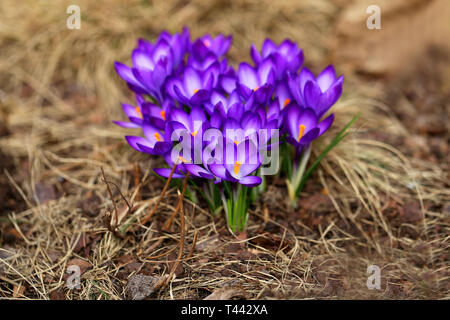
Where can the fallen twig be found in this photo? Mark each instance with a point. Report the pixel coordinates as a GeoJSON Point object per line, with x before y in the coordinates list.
{"type": "Point", "coordinates": [166, 186]}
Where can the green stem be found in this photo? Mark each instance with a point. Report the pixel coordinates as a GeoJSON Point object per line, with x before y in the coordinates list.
{"type": "Point", "coordinates": [235, 203]}
{"type": "Point", "coordinates": [297, 175]}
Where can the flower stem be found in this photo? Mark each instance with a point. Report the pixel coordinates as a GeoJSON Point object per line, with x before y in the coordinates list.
{"type": "Point", "coordinates": [235, 203]}
{"type": "Point", "coordinates": [297, 175]}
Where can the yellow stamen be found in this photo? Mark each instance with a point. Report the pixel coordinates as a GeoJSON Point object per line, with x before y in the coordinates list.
{"type": "Point", "coordinates": [237, 167]}
{"type": "Point", "coordinates": [194, 133]}
{"type": "Point", "coordinates": [183, 159]}
{"type": "Point", "coordinates": [195, 91]}
{"type": "Point", "coordinates": [158, 137]}
{"type": "Point", "coordinates": [235, 142]}
{"type": "Point", "coordinates": [256, 89]}
{"type": "Point", "coordinates": [163, 114]}
{"type": "Point", "coordinates": [301, 132]}
{"type": "Point", "coordinates": [138, 110]}
{"type": "Point", "coordinates": [286, 102]}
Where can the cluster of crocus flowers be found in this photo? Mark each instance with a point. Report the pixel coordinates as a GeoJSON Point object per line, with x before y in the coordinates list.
{"type": "Point", "coordinates": [218, 123]}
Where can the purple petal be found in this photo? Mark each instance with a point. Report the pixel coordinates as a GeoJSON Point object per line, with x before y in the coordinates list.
{"type": "Point", "coordinates": [197, 114]}
{"type": "Point", "coordinates": [228, 83]}
{"type": "Point", "coordinates": [268, 47]}
{"type": "Point", "coordinates": [326, 78]}
{"type": "Point", "coordinates": [218, 170]}
{"type": "Point", "coordinates": [159, 74]}
{"type": "Point", "coordinates": [305, 76]}
{"type": "Point", "coordinates": [283, 95]}
{"type": "Point", "coordinates": [291, 120]}
{"type": "Point", "coordinates": [251, 121]}
{"type": "Point", "coordinates": [325, 124]}
{"type": "Point", "coordinates": [216, 118]}
{"type": "Point", "coordinates": [161, 147]}
{"type": "Point", "coordinates": [130, 111]}
{"type": "Point", "coordinates": [312, 94]}
{"type": "Point", "coordinates": [248, 76]}
{"type": "Point", "coordinates": [211, 75]}
{"type": "Point", "coordinates": [192, 81]}
{"type": "Point", "coordinates": [134, 140]}
{"type": "Point", "coordinates": [151, 133]}
{"type": "Point", "coordinates": [310, 136]}
{"type": "Point", "coordinates": [248, 168]}
{"type": "Point", "coordinates": [142, 60]}
{"type": "Point", "coordinates": [171, 84]}
{"type": "Point", "coordinates": [264, 70]}
{"type": "Point", "coordinates": [255, 55]}
{"type": "Point", "coordinates": [200, 96]}
{"type": "Point", "coordinates": [197, 171]}
{"type": "Point", "coordinates": [236, 111]}
{"type": "Point", "coordinates": [161, 49]}
{"type": "Point", "coordinates": [145, 78]}
{"type": "Point", "coordinates": [125, 124]}
{"type": "Point", "coordinates": [330, 96]}
{"type": "Point", "coordinates": [180, 116]}
{"type": "Point", "coordinates": [263, 94]}
{"type": "Point", "coordinates": [250, 181]}
{"type": "Point", "coordinates": [307, 118]}
{"type": "Point", "coordinates": [295, 90]}
{"type": "Point", "coordinates": [126, 74]}
{"type": "Point", "coordinates": [243, 90]}
{"type": "Point", "coordinates": [199, 50]}
{"type": "Point", "coordinates": [164, 172]}
{"type": "Point", "coordinates": [217, 97]}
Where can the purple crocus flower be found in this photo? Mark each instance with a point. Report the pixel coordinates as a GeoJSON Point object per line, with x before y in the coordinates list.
{"type": "Point", "coordinates": [303, 126]}
{"type": "Point", "coordinates": [194, 123]}
{"type": "Point", "coordinates": [206, 44]}
{"type": "Point", "coordinates": [283, 95]}
{"type": "Point", "coordinates": [204, 64]}
{"type": "Point", "coordinates": [179, 42]}
{"type": "Point", "coordinates": [157, 115]}
{"type": "Point", "coordinates": [241, 160]}
{"type": "Point", "coordinates": [318, 93]}
{"type": "Point", "coordinates": [154, 142]}
{"type": "Point", "coordinates": [221, 107]}
{"type": "Point", "coordinates": [220, 102]}
{"type": "Point", "coordinates": [251, 80]}
{"type": "Point", "coordinates": [243, 128]}
{"type": "Point", "coordinates": [153, 63]}
{"type": "Point", "coordinates": [134, 113]}
{"type": "Point", "coordinates": [194, 87]}
{"type": "Point", "coordinates": [179, 172]}
{"type": "Point", "coordinates": [287, 56]}
{"type": "Point", "coordinates": [188, 130]}
{"type": "Point", "coordinates": [149, 69]}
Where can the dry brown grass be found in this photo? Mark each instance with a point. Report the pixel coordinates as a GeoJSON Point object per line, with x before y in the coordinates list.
{"type": "Point", "coordinates": [58, 96]}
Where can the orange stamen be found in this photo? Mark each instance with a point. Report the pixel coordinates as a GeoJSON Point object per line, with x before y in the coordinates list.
{"type": "Point", "coordinates": [286, 102]}
{"type": "Point", "coordinates": [194, 133]}
{"type": "Point", "coordinates": [256, 89]}
{"type": "Point", "coordinates": [138, 110]}
{"type": "Point", "coordinates": [195, 91]}
{"type": "Point", "coordinates": [158, 137]}
{"type": "Point", "coordinates": [235, 142]}
{"type": "Point", "coordinates": [183, 159]}
{"type": "Point", "coordinates": [237, 167]}
{"type": "Point", "coordinates": [301, 132]}
{"type": "Point", "coordinates": [163, 114]}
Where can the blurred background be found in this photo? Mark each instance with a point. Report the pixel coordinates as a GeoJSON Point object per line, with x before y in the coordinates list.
{"type": "Point", "coordinates": [59, 91]}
